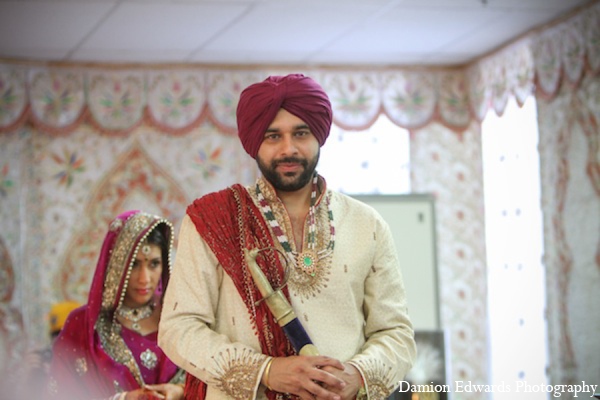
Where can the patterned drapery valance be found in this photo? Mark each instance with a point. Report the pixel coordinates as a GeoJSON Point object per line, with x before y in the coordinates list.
{"type": "Point", "coordinates": [539, 62]}
{"type": "Point", "coordinates": [57, 99]}
{"type": "Point", "coordinates": [176, 99]}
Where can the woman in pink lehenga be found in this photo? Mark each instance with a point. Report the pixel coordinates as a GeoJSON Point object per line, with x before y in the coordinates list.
{"type": "Point", "coordinates": [108, 347]}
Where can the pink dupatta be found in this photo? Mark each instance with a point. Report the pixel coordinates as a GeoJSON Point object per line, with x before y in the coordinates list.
{"type": "Point", "coordinates": [92, 357]}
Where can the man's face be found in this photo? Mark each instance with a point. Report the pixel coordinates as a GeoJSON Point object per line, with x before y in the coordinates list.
{"type": "Point", "coordinates": [289, 153]}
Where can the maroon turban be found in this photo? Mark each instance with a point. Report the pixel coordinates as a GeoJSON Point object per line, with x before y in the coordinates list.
{"type": "Point", "coordinates": [295, 93]}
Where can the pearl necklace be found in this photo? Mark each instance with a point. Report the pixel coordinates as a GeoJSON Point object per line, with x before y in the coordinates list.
{"type": "Point", "coordinates": [307, 260]}
{"type": "Point", "coordinates": [135, 315]}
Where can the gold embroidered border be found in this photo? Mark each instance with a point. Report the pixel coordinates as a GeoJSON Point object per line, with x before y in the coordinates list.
{"type": "Point", "coordinates": [378, 378]}
{"type": "Point", "coordinates": [237, 372]}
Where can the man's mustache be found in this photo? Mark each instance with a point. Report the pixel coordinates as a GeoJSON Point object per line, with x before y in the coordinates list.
{"type": "Point", "coordinates": [286, 160]}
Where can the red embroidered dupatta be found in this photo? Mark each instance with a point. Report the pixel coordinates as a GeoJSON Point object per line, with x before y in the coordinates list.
{"type": "Point", "coordinates": [229, 222]}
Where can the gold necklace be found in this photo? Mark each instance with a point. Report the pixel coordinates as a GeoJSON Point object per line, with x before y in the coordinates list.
{"type": "Point", "coordinates": [135, 315]}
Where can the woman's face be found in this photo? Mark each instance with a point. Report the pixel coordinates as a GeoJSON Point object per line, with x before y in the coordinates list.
{"type": "Point", "coordinates": [145, 276]}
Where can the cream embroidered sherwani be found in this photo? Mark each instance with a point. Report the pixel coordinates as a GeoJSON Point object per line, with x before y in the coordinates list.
{"type": "Point", "coordinates": [354, 308]}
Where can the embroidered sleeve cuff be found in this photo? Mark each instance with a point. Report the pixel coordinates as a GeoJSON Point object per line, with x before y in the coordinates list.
{"type": "Point", "coordinates": [377, 385]}
{"type": "Point", "coordinates": [240, 374]}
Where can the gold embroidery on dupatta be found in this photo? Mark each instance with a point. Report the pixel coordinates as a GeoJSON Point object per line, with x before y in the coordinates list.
{"type": "Point", "coordinates": [130, 234]}
{"type": "Point", "coordinates": [123, 248]}
{"type": "Point", "coordinates": [236, 374]}
{"type": "Point", "coordinates": [81, 366]}
{"type": "Point", "coordinates": [114, 345]}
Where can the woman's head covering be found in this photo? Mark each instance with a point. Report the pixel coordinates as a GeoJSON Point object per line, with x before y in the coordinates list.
{"type": "Point", "coordinates": [91, 337]}
{"type": "Point", "coordinates": [295, 93]}
{"type": "Point", "coordinates": [125, 235]}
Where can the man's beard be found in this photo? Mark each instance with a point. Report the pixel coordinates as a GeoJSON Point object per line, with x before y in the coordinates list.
{"type": "Point", "coordinates": [278, 181]}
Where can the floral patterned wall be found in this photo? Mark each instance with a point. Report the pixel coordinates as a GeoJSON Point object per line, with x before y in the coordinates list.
{"type": "Point", "coordinates": [570, 171]}
{"type": "Point", "coordinates": [80, 143]}
{"type": "Point", "coordinates": [59, 192]}
{"type": "Point", "coordinates": [449, 166]}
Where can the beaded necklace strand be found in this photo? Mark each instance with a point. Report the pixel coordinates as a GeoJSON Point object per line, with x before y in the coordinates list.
{"type": "Point", "coordinates": [308, 259]}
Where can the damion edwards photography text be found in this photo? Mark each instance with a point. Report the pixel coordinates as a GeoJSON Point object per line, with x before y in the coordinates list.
{"type": "Point", "coordinates": [583, 389]}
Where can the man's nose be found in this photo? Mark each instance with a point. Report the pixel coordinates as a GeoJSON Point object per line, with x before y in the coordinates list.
{"type": "Point", "coordinates": [288, 145]}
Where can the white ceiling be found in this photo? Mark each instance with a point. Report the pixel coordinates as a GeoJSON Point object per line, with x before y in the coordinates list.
{"type": "Point", "coordinates": [276, 32]}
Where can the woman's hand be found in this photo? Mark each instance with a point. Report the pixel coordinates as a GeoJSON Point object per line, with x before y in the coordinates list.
{"type": "Point", "coordinates": [143, 394]}
{"type": "Point", "coordinates": [167, 391]}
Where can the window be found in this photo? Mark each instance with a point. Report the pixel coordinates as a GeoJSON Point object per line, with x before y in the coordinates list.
{"type": "Point", "coordinates": [374, 161]}
{"type": "Point", "coordinates": [514, 246]}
